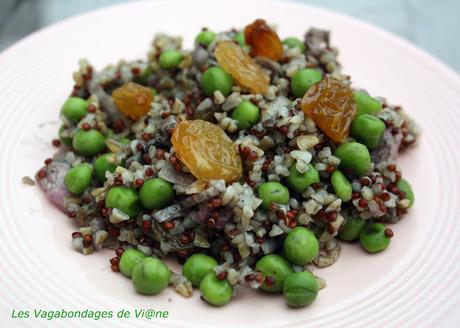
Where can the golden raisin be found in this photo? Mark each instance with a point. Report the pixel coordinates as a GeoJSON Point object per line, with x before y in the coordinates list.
{"type": "Point", "coordinates": [207, 151]}
{"type": "Point", "coordinates": [331, 105]}
{"type": "Point", "coordinates": [241, 67]}
{"type": "Point", "coordinates": [263, 40]}
{"type": "Point", "coordinates": [133, 100]}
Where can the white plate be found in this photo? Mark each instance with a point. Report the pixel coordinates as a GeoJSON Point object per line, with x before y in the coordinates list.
{"type": "Point", "coordinates": [414, 282]}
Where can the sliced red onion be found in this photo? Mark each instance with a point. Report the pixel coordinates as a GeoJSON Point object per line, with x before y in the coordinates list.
{"type": "Point", "coordinates": [53, 183]}
{"type": "Point", "coordinates": [316, 39]}
{"type": "Point", "coordinates": [178, 210]}
{"type": "Point", "coordinates": [270, 245]}
{"type": "Point", "coordinates": [106, 101]}
{"type": "Point", "coordinates": [225, 213]}
{"type": "Point", "coordinates": [204, 212]}
{"type": "Point", "coordinates": [170, 174]}
{"type": "Point", "coordinates": [388, 149]}
{"type": "Point", "coordinates": [269, 64]}
{"type": "Point", "coordinates": [200, 197]}
{"type": "Point", "coordinates": [168, 213]}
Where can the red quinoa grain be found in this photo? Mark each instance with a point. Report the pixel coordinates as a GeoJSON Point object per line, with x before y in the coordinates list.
{"type": "Point", "coordinates": [388, 233]}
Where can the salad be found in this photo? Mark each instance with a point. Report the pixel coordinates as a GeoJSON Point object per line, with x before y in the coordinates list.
{"type": "Point", "coordinates": [248, 159]}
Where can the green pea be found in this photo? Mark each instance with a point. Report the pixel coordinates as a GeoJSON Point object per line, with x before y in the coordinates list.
{"type": "Point", "coordinates": [300, 181]}
{"type": "Point", "coordinates": [125, 199]}
{"type": "Point", "coordinates": [300, 289]}
{"type": "Point", "coordinates": [154, 92]}
{"type": "Point", "coordinates": [197, 266]}
{"type": "Point", "coordinates": [300, 246]}
{"type": "Point", "coordinates": [303, 80]}
{"type": "Point", "coordinates": [125, 141]}
{"type": "Point", "coordinates": [293, 42]}
{"type": "Point", "coordinates": [365, 104]}
{"type": "Point", "coordinates": [246, 114]}
{"type": "Point", "coordinates": [354, 157]}
{"type": "Point", "coordinates": [109, 133]}
{"type": "Point", "coordinates": [342, 187]}
{"type": "Point", "coordinates": [404, 185]}
{"type": "Point", "coordinates": [78, 178]}
{"type": "Point", "coordinates": [205, 37]}
{"type": "Point", "coordinates": [150, 276]}
{"type": "Point", "coordinates": [214, 291]}
{"type": "Point", "coordinates": [103, 164]}
{"type": "Point", "coordinates": [65, 140]}
{"type": "Point", "coordinates": [275, 267]}
{"type": "Point", "coordinates": [239, 37]}
{"type": "Point", "coordinates": [170, 59]}
{"type": "Point", "coordinates": [144, 75]}
{"type": "Point", "coordinates": [156, 194]}
{"type": "Point", "coordinates": [88, 143]}
{"type": "Point", "coordinates": [373, 239]}
{"type": "Point", "coordinates": [351, 229]}
{"type": "Point", "coordinates": [368, 130]}
{"type": "Point", "coordinates": [74, 109]}
{"type": "Point", "coordinates": [129, 259]}
{"type": "Point", "coordinates": [216, 79]}
{"type": "Point", "coordinates": [273, 192]}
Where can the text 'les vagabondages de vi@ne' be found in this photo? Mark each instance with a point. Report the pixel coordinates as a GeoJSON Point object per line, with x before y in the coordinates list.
{"type": "Point", "coordinates": [89, 314]}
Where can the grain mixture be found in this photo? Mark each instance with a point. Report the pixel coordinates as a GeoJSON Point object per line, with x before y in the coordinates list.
{"type": "Point", "coordinates": [226, 150]}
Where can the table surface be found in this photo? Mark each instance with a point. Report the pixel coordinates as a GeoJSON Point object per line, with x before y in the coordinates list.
{"type": "Point", "coordinates": [430, 24]}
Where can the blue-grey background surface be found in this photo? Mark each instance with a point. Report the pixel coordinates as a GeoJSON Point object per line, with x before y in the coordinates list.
{"type": "Point", "coordinates": [433, 25]}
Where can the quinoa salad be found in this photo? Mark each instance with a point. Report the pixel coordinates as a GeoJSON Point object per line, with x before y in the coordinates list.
{"type": "Point", "coordinates": [249, 159]}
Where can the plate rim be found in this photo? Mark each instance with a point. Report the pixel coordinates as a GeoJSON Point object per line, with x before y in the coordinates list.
{"type": "Point", "coordinates": [405, 43]}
